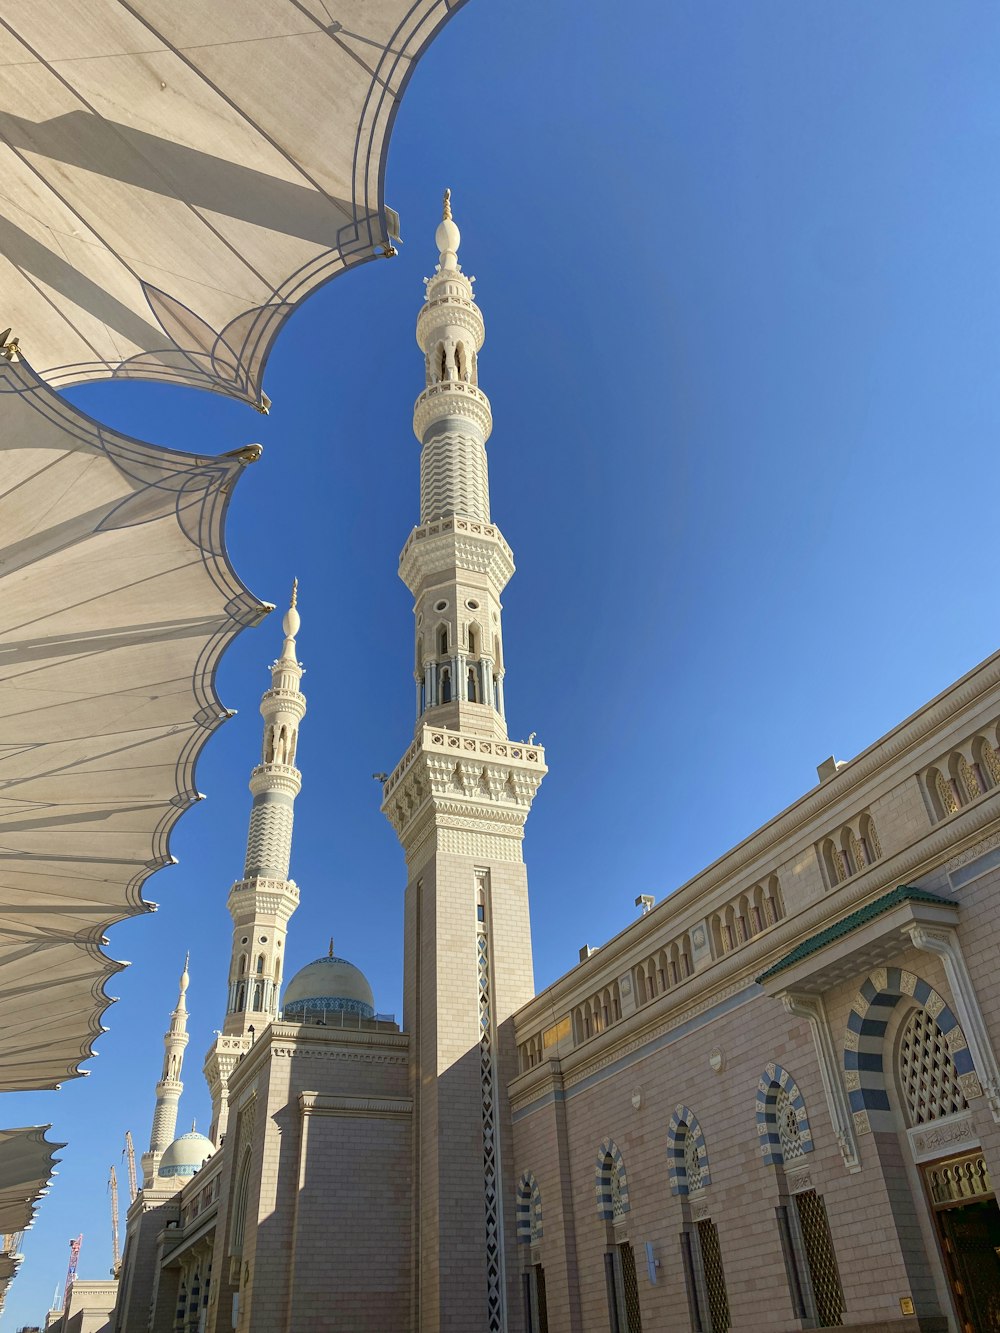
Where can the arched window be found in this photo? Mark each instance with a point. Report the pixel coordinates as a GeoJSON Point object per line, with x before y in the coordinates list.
{"type": "Point", "coordinates": [243, 964]}
{"type": "Point", "coordinates": [782, 1123]}
{"type": "Point", "coordinates": [928, 1078]}
{"type": "Point", "coordinates": [934, 1066]}
{"type": "Point", "coordinates": [241, 996]}
{"type": "Point", "coordinates": [260, 965]}
{"type": "Point", "coordinates": [461, 362]}
{"type": "Point", "coordinates": [687, 1156]}
{"type": "Point", "coordinates": [612, 1185]}
{"type": "Point", "coordinates": [257, 997]}
{"type": "Point", "coordinates": [989, 762]}
{"type": "Point", "coordinates": [442, 362]}
{"type": "Point", "coordinates": [446, 686]}
{"type": "Point", "coordinates": [443, 641]}
{"type": "Point", "coordinates": [968, 779]}
{"type": "Point", "coordinates": [472, 642]}
{"type": "Point", "coordinates": [473, 686]}
{"type": "Point", "coordinates": [529, 1210]}
{"type": "Point", "coordinates": [945, 792]}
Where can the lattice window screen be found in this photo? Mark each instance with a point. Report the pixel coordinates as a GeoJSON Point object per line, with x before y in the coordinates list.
{"type": "Point", "coordinates": [617, 1202]}
{"type": "Point", "coordinates": [927, 1073]}
{"type": "Point", "coordinates": [788, 1127]}
{"type": "Point", "coordinates": [692, 1166]}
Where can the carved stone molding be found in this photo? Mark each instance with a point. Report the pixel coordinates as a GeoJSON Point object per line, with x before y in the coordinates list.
{"type": "Point", "coordinates": [811, 1007]}
{"type": "Point", "coordinates": [940, 1138]}
{"type": "Point", "coordinates": [973, 853]}
{"type": "Point", "coordinates": [318, 1103]}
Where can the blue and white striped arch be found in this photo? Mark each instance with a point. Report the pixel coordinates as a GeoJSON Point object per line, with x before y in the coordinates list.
{"type": "Point", "coordinates": [610, 1167]}
{"type": "Point", "coordinates": [684, 1125]}
{"type": "Point", "coordinates": [772, 1081]}
{"type": "Point", "coordinates": [528, 1209]}
{"type": "Point", "coordinates": [864, 1072]}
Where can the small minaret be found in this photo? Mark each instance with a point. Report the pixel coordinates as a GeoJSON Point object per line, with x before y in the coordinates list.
{"type": "Point", "coordinates": [170, 1087]}
{"type": "Point", "coordinates": [458, 801]}
{"type": "Point", "coordinates": [262, 902]}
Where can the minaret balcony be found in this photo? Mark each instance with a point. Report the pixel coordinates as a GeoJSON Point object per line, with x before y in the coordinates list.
{"type": "Point", "coordinates": [452, 398]}
{"type": "Point", "coordinates": [452, 543]}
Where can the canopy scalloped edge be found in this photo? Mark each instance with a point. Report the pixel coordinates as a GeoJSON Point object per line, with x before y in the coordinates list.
{"type": "Point", "coordinates": [106, 209]}
{"type": "Point", "coordinates": [119, 603]}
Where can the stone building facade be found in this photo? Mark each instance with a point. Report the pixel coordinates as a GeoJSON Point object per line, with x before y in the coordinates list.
{"type": "Point", "coordinates": [771, 1102]}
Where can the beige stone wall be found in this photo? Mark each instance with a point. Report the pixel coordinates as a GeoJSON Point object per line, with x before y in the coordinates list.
{"type": "Point", "coordinates": [704, 1038]}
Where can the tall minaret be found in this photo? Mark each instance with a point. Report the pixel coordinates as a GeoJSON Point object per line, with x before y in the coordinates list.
{"type": "Point", "coordinates": [458, 801]}
{"type": "Point", "coordinates": [170, 1087]}
{"type": "Point", "coordinates": [262, 902]}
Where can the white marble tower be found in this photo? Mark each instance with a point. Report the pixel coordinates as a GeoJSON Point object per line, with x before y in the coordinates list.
{"type": "Point", "coordinates": [170, 1087]}
{"type": "Point", "coordinates": [262, 902]}
{"type": "Point", "coordinates": [458, 801]}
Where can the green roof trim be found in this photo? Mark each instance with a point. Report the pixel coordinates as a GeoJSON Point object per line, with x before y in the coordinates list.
{"type": "Point", "coordinates": [903, 893]}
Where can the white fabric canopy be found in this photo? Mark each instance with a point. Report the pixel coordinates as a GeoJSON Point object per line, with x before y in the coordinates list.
{"type": "Point", "coordinates": [118, 601]}
{"type": "Point", "coordinates": [26, 1163]}
{"type": "Point", "coordinates": [178, 177]}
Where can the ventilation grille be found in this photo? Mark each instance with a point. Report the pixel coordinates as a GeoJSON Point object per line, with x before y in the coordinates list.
{"type": "Point", "coordinates": [789, 1134]}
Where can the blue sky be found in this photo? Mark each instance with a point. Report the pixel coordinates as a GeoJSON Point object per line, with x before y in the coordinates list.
{"type": "Point", "coordinates": [741, 280]}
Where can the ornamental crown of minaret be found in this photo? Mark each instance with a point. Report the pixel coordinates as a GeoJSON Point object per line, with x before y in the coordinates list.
{"type": "Point", "coordinates": [450, 333]}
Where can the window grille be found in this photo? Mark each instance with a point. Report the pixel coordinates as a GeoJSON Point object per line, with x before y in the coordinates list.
{"type": "Point", "coordinates": [715, 1278]}
{"type": "Point", "coordinates": [692, 1275]}
{"type": "Point", "coordinates": [693, 1169]}
{"type": "Point", "coordinates": [927, 1073]}
{"type": "Point", "coordinates": [824, 1276]}
{"type": "Point", "coordinates": [788, 1127]}
{"type": "Point", "coordinates": [618, 1208]}
{"type": "Point", "coordinates": [536, 1318]}
{"type": "Point", "coordinates": [632, 1322]}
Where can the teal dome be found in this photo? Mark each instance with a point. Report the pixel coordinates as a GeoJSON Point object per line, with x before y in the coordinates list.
{"type": "Point", "coordinates": [186, 1155]}
{"type": "Point", "coordinates": [329, 985]}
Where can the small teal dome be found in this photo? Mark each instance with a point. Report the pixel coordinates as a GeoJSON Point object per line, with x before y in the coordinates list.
{"type": "Point", "coordinates": [186, 1155]}
{"type": "Point", "coordinates": [328, 985]}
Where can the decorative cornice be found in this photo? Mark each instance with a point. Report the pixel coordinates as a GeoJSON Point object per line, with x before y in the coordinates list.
{"type": "Point", "coordinates": [634, 943]}
{"type": "Point", "coordinates": [276, 777]}
{"type": "Point", "coordinates": [319, 1103]}
{"type": "Point", "coordinates": [798, 827]}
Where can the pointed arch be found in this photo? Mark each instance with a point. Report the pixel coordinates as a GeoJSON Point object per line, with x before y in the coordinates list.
{"type": "Point", "coordinates": [528, 1210]}
{"type": "Point", "coordinates": [612, 1183]}
{"type": "Point", "coordinates": [864, 1043]}
{"type": "Point", "coordinates": [781, 1116]}
{"type": "Point", "coordinates": [686, 1146]}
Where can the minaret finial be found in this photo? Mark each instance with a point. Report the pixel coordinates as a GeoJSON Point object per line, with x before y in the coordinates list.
{"type": "Point", "coordinates": [291, 624]}
{"type": "Point", "coordinates": [447, 237]}
{"type": "Point", "coordinates": [331, 947]}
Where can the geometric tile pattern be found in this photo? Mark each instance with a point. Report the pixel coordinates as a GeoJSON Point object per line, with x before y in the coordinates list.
{"type": "Point", "coordinates": [529, 1209]}
{"type": "Point", "coordinates": [794, 1132]}
{"type": "Point", "coordinates": [612, 1184]}
{"type": "Point", "coordinates": [687, 1156]}
{"type": "Point", "coordinates": [864, 1073]}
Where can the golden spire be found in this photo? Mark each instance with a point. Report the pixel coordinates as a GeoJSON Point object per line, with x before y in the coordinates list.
{"type": "Point", "coordinates": [447, 206]}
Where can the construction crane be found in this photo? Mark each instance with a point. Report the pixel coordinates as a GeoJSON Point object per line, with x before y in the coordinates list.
{"type": "Point", "coordinates": [113, 1187]}
{"type": "Point", "coordinates": [74, 1259]}
{"type": "Point", "coordinates": [129, 1153]}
